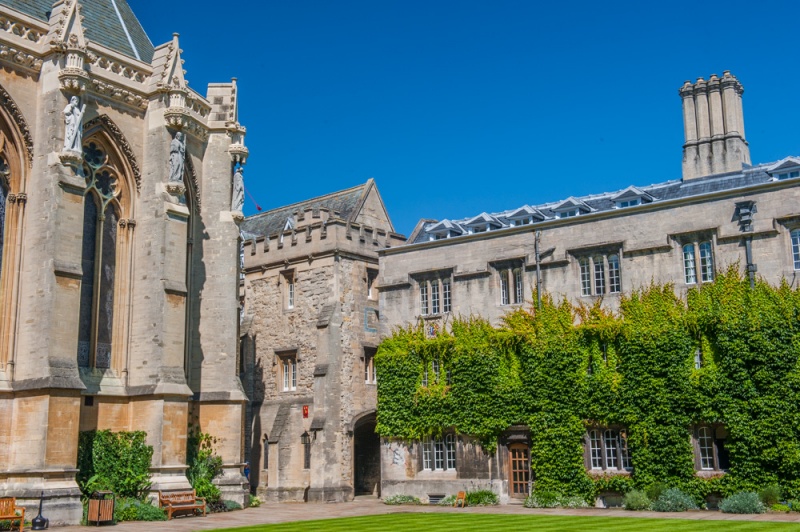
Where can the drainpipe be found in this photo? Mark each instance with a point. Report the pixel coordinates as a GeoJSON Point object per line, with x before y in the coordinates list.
{"type": "Point", "coordinates": [538, 271]}
{"type": "Point", "coordinates": [744, 214]}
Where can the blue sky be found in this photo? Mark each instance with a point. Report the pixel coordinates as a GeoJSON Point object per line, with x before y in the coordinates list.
{"type": "Point", "coordinates": [459, 107]}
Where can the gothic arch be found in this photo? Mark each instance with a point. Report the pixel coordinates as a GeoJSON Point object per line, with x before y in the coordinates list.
{"type": "Point", "coordinates": [16, 157]}
{"type": "Point", "coordinates": [107, 248]}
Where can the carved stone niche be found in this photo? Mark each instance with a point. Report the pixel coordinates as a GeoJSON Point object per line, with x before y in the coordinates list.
{"type": "Point", "coordinates": [175, 189]}
{"type": "Point", "coordinates": [73, 77]}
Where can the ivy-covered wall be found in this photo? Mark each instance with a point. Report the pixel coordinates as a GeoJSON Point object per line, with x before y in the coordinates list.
{"type": "Point", "coordinates": [562, 368]}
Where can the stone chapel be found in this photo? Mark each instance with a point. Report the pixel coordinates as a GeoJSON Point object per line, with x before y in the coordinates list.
{"type": "Point", "coordinates": [120, 200]}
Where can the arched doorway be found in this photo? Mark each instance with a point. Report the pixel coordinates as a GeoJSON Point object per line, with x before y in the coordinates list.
{"type": "Point", "coordinates": [367, 457]}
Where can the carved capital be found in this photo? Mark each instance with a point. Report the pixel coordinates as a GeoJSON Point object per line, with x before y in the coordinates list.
{"type": "Point", "coordinates": [73, 159]}
{"type": "Point", "coordinates": [180, 118]}
{"type": "Point", "coordinates": [73, 80]}
{"type": "Point", "coordinates": [127, 223]}
{"type": "Point", "coordinates": [176, 189]}
{"type": "Point", "coordinates": [238, 153]}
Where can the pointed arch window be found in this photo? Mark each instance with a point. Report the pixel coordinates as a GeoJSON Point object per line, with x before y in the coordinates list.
{"type": "Point", "coordinates": [101, 215]}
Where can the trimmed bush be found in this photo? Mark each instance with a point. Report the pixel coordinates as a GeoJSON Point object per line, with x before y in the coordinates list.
{"type": "Point", "coordinates": [131, 509]}
{"type": "Point", "coordinates": [770, 495]}
{"type": "Point", "coordinates": [636, 500]}
{"type": "Point", "coordinates": [745, 502]}
{"type": "Point", "coordinates": [655, 490]}
{"type": "Point", "coordinates": [674, 500]}
{"type": "Point", "coordinates": [482, 498]}
{"type": "Point", "coordinates": [116, 461]}
{"type": "Point", "coordinates": [780, 508]}
{"type": "Point", "coordinates": [548, 499]}
{"type": "Point", "coordinates": [401, 499]}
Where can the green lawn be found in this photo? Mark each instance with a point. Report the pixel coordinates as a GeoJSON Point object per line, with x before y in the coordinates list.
{"type": "Point", "coordinates": [430, 522]}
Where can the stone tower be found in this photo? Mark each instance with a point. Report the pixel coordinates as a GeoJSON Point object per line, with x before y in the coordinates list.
{"type": "Point", "coordinates": [713, 126]}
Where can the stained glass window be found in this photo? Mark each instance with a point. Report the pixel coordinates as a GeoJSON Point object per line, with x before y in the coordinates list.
{"type": "Point", "coordinates": [98, 259]}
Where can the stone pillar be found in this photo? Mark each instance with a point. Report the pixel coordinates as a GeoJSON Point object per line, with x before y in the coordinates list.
{"type": "Point", "coordinates": [718, 155]}
{"type": "Point", "coordinates": [690, 153]}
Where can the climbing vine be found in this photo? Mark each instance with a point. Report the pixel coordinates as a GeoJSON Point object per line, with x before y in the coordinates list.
{"type": "Point", "coordinates": [562, 369]}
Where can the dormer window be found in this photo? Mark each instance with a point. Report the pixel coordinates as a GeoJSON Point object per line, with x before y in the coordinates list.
{"type": "Point", "coordinates": [523, 221]}
{"type": "Point", "coordinates": [789, 175]}
{"type": "Point", "coordinates": [628, 203]}
{"type": "Point", "coordinates": [788, 168]}
{"type": "Point", "coordinates": [568, 214]}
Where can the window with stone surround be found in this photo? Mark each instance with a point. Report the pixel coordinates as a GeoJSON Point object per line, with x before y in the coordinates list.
{"type": "Point", "coordinates": [369, 366]}
{"type": "Point", "coordinates": [600, 274]}
{"type": "Point", "coordinates": [606, 449]}
{"type": "Point", "coordinates": [372, 284]}
{"type": "Point", "coordinates": [698, 257]}
{"type": "Point", "coordinates": [288, 289]}
{"type": "Point", "coordinates": [435, 295]}
{"type": "Point", "coordinates": [796, 248]}
{"type": "Point", "coordinates": [288, 371]}
{"type": "Point", "coordinates": [439, 454]}
{"type": "Point", "coordinates": [511, 283]}
{"type": "Point", "coordinates": [709, 442]}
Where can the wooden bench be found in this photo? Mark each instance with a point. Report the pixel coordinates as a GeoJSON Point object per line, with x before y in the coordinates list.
{"type": "Point", "coordinates": [9, 509]}
{"type": "Point", "coordinates": [181, 501]}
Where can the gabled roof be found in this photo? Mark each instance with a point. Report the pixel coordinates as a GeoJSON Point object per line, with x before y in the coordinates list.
{"type": "Point", "coordinates": [784, 164]}
{"type": "Point", "coordinates": [571, 203]}
{"type": "Point", "coordinates": [110, 23]}
{"type": "Point", "coordinates": [344, 204]}
{"type": "Point", "coordinates": [483, 219]}
{"type": "Point", "coordinates": [445, 226]}
{"type": "Point", "coordinates": [526, 211]}
{"type": "Point", "coordinates": [633, 192]}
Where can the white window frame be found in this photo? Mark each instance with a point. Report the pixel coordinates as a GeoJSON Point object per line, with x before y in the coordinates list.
{"type": "Point", "coordinates": [447, 298]}
{"type": "Point", "coordinates": [519, 289]}
{"type": "Point", "coordinates": [586, 276]}
{"type": "Point", "coordinates": [705, 443]}
{"type": "Point", "coordinates": [614, 277]}
{"type": "Point", "coordinates": [596, 449]}
{"type": "Point", "coordinates": [450, 448]}
{"type": "Point", "coordinates": [599, 268]}
{"type": "Point", "coordinates": [504, 292]}
{"type": "Point", "coordinates": [372, 279]}
{"type": "Point", "coordinates": [435, 296]}
{"type": "Point", "coordinates": [698, 261]}
{"type": "Point", "coordinates": [706, 261]}
{"type": "Point", "coordinates": [689, 264]}
{"type": "Point", "coordinates": [427, 453]}
{"type": "Point", "coordinates": [289, 372]}
{"type": "Point", "coordinates": [290, 289]}
{"type": "Point", "coordinates": [795, 236]}
{"type": "Point", "coordinates": [608, 450]}
{"type": "Point", "coordinates": [423, 298]}
{"type": "Point", "coordinates": [438, 454]}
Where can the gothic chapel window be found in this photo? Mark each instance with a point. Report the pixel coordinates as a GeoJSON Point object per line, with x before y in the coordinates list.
{"type": "Point", "coordinates": [98, 258]}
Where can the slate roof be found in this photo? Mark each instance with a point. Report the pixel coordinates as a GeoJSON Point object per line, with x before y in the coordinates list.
{"type": "Point", "coordinates": [106, 22]}
{"type": "Point", "coordinates": [606, 201]}
{"type": "Point", "coordinates": [343, 204]}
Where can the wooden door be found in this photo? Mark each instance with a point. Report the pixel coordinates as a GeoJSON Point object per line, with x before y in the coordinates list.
{"type": "Point", "coordinates": [519, 470]}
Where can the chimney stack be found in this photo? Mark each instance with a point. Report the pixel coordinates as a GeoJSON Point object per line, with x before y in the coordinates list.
{"type": "Point", "coordinates": [713, 126]}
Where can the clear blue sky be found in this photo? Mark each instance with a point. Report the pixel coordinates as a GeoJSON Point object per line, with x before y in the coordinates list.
{"type": "Point", "coordinates": [458, 107]}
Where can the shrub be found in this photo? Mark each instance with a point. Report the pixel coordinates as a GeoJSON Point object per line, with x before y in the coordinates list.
{"type": "Point", "coordinates": [401, 499]}
{"type": "Point", "coordinates": [482, 498]}
{"type": "Point", "coordinates": [655, 490]}
{"type": "Point", "coordinates": [116, 461]}
{"type": "Point", "coordinates": [770, 495]}
{"type": "Point", "coordinates": [780, 508]}
{"type": "Point", "coordinates": [254, 501]}
{"type": "Point", "coordinates": [542, 499]}
{"type": "Point", "coordinates": [231, 505]}
{"type": "Point", "coordinates": [548, 499]}
{"type": "Point", "coordinates": [674, 500]}
{"type": "Point", "coordinates": [132, 509]}
{"type": "Point", "coordinates": [204, 465]}
{"type": "Point", "coordinates": [745, 502]}
{"type": "Point", "coordinates": [450, 500]}
{"type": "Point", "coordinates": [794, 505]}
{"type": "Point", "coordinates": [636, 500]}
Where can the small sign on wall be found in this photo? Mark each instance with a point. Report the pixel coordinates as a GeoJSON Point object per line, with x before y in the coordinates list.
{"type": "Point", "coordinates": [305, 411]}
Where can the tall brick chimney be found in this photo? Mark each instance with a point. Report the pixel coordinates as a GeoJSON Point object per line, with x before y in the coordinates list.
{"type": "Point", "coordinates": [713, 125]}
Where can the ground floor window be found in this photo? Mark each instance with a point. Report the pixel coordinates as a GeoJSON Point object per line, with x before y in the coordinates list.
{"type": "Point", "coordinates": [439, 453]}
{"type": "Point", "coordinates": [607, 449]}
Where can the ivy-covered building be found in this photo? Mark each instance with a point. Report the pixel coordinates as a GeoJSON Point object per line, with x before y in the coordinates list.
{"type": "Point", "coordinates": [594, 249]}
{"type": "Point", "coordinates": [116, 187]}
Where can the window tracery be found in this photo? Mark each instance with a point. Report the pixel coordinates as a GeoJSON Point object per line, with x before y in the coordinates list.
{"type": "Point", "coordinates": [101, 216]}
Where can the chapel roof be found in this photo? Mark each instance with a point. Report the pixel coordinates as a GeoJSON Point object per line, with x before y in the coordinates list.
{"type": "Point", "coordinates": [344, 204]}
{"type": "Point", "coordinates": [110, 23]}
{"type": "Point", "coordinates": [428, 229]}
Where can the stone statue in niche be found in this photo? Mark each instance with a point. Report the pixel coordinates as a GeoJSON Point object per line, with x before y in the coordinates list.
{"type": "Point", "coordinates": [237, 198]}
{"type": "Point", "coordinates": [177, 157]}
{"type": "Point", "coordinates": [73, 119]}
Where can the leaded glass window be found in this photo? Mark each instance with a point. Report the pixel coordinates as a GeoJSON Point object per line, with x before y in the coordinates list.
{"type": "Point", "coordinates": [586, 280]}
{"type": "Point", "coordinates": [795, 246]}
{"type": "Point", "coordinates": [611, 449]}
{"type": "Point", "coordinates": [450, 445]}
{"type": "Point", "coordinates": [706, 262]}
{"type": "Point", "coordinates": [427, 453]}
{"type": "Point", "coordinates": [98, 258]}
{"type": "Point", "coordinates": [518, 288]}
{"type": "Point", "coordinates": [446, 298]}
{"type": "Point", "coordinates": [614, 284]}
{"type": "Point", "coordinates": [599, 276]}
{"type": "Point", "coordinates": [596, 448]}
{"type": "Point", "coordinates": [689, 272]}
{"type": "Point", "coordinates": [706, 445]}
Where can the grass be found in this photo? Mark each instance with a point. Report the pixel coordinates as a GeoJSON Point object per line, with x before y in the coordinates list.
{"type": "Point", "coordinates": [431, 522]}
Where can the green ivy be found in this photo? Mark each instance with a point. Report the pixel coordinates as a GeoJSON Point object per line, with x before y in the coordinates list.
{"type": "Point", "coordinates": [204, 464]}
{"type": "Point", "coordinates": [115, 461]}
{"type": "Point", "coordinates": [561, 368]}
